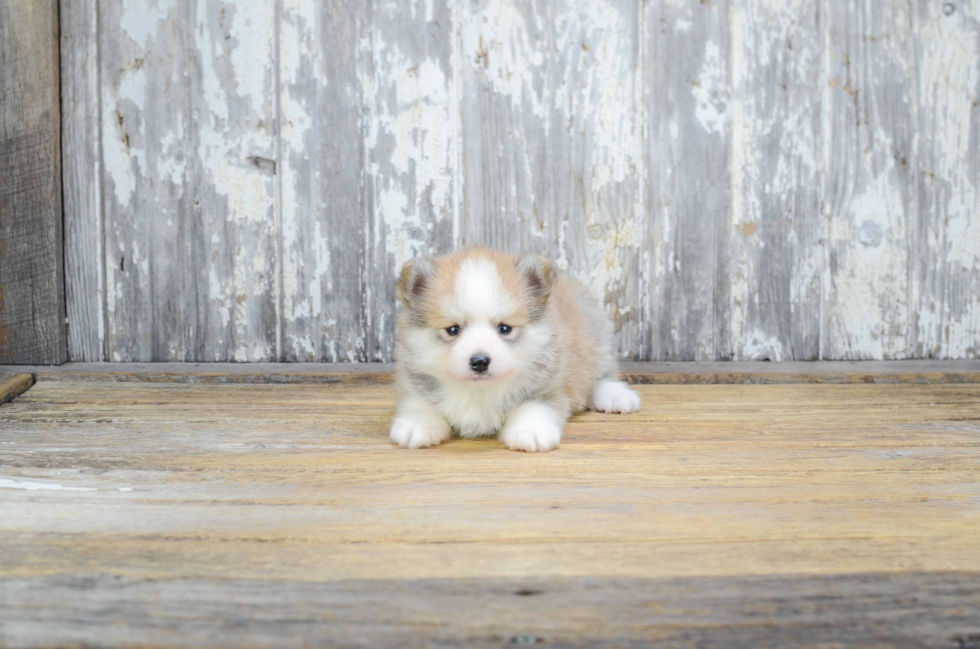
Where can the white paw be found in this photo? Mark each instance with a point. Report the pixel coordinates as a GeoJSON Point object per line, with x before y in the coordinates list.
{"type": "Point", "coordinates": [614, 396]}
{"type": "Point", "coordinates": [413, 432]}
{"type": "Point", "coordinates": [533, 428]}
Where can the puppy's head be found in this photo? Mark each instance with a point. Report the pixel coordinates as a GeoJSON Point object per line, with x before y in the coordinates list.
{"type": "Point", "coordinates": [474, 316]}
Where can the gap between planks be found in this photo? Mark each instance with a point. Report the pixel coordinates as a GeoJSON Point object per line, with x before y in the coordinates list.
{"type": "Point", "coordinates": [665, 373]}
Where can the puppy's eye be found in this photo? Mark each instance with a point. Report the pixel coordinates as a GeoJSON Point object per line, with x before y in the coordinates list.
{"type": "Point", "coordinates": [453, 330]}
{"type": "Point", "coordinates": [504, 329]}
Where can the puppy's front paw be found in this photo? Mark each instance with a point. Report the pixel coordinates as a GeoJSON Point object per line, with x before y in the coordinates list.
{"type": "Point", "coordinates": [533, 429]}
{"type": "Point", "coordinates": [531, 440]}
{"type": "Point", "coordinates": [614, 396]}
{"type": "Point", "coordinates": [413, 432]}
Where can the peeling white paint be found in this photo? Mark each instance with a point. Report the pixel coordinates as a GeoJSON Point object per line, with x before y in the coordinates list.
{"type": "Point", "coordinates": [168, 165]}
{"type": "Point", "coordinates": [122, 139]}
{"type": "Point", "coordinates": [252, 25]}
{"type": "Point", "coordinates": [761, 347]}
{"type": "Point", "coordinates": [949, 80]}
{"type": "Point", "coordinates": [141, 20]}
{"type": "Point", "coordinates": [597, 99]}
{"type": "Point", "coordinates": [867, 293]}
{"type": "Point", "coordinates": [237, 73]}
{"type": "Point", "coordinates": [871, 289]}
{"type": "Point", "coordinates": [498, 40]}
{"type": "Point", "coordinates": [413, 148]}
{"type": "Point", "coordinates": [608, 272]}
{"type": "Point", "coordinates": [712, 92]}
{"type": "Point", "coordinates": [565, 86]}
{"type": "Point", "coordinates": [743, 170]}
{"type": "Point", "coordinates": [606, 101]}
{"type": "Point", "coordinates": [306, 287]}
{"type": "Point", "coordinates": [772, 180]}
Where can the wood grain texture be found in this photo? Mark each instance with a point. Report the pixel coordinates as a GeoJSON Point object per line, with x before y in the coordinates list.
{"type": "Point", "coordinates": [32, 280]}
{"type": "Point", "coordinates": [551, 129]}
{"type": "Point", "coordinates": [869, 188]}
{"type": "Point", "coordinates": [776, 231]}
{"type": "Point", "coordinates": [322, 180]}
{"type": "Point", "coordinates": [82, 164]}
{"type": "Point", "coordinates": [185, 515]}
{"type": "Point", "coordinates": [689, 193]}
{"type": "Point", "coordinates": [945, 282]}
{"type": "Point", "coordinates": [864, 610]}
{"type": "Point", "coordinates": [379, 124]}
{"type": "Point", "coordinates": [735, 180]}
{"type": "Point", "coordinates": [410, 144]}
{"type": "Point", "coordinates": [188, 123]}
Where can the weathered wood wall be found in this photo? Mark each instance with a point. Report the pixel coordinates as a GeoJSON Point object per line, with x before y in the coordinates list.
{"type": "Point", "coordinates": [738, 179]}
{"type": "Point", "coordinates": [32, 276]}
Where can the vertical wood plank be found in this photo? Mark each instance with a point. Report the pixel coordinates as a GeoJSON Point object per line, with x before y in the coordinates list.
{"type": "Point", "coordinates": [688, 92]}
{"type": "Point", "coordinates": [369, 146]}
{"type": "Point", "coordinates": [188, 124]}
{"type": "Point", "coordinates": [505, 118]}
{"type": "Point", "coordinates": [32, 299]}
{"type": "Point", "coordinates": [551, 127]}
{"type": "Point", "coordinates": [139, 64]}
{"type": "Point", "coordinates": [82, 164]}
{"type": "Point", "coordinates": [410, 147]}
{"type": "Point", "coordinates": [868, 191]}
{"type": "Point", "coordinates": [946, 230]}
{"type": "Point", "coordinates": [776, 250]}
{"type": "Point", "coordinates": [238, 156]}
{"type": "Point", "coordinates": [323, 213]}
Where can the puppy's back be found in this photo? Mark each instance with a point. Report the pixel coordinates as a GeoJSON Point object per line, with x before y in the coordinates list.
{"type": "Point", "coordinates": [584, 340]}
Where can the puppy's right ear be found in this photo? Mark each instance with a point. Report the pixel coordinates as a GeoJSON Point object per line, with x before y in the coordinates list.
{"type": "Point", "coordinates": [415, 279]}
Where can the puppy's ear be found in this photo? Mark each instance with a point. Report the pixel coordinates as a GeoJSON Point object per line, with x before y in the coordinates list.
{"type": "Point", "coordinates": [415, 279]}
{"type": "Point", "coordinates": [537, 273]}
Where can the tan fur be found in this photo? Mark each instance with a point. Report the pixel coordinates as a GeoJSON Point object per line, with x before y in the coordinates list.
{"type": "Point", "coordinates": [558, 359]}
{"type": "Point", "coordinates": [583, 331]}
{"type": "Point", "coordinates": [442, 283]}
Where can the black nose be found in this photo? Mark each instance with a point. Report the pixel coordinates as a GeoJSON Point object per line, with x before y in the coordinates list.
{"type": "Point", "coordinates": [479, 364]}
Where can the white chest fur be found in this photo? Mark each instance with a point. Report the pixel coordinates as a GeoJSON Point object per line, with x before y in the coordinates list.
{"type": "Point", "coordinates": [477, 412]}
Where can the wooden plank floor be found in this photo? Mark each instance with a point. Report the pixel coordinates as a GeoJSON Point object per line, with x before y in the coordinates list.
{"type": "Point", "coordinates": [173, 514]}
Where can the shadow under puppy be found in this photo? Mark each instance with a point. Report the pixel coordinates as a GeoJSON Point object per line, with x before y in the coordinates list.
{"type": "Point", "coordinates": [491, 343]}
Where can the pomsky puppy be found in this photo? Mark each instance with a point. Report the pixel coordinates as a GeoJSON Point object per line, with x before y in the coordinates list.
{"type": "Point", "coordinates": [491, 343]}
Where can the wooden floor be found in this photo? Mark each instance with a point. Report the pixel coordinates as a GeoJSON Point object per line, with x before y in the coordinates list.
{"type": "Point", "coordinates": [177, 514]}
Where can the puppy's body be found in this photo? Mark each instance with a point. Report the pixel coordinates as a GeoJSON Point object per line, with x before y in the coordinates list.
{"type": "Point", "coordinates": [489, 343]}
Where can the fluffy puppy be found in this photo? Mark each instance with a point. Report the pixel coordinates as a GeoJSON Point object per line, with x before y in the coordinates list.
{"type": "Point", "coordinates": [490, 343]}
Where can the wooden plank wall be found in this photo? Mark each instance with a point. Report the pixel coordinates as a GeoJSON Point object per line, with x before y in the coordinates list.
{"type": "Point", "coordinates": [32, 278]}
{"type": "Point", "coordinates": [737, 179]}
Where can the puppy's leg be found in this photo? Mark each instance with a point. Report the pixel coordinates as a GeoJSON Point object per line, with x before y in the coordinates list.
{"type": "Point", "coordinates": [534, 426]}
{"type": "Point", "coordinates": [614, 396]}
{"type": "Point", "coordinates": [417, 424]}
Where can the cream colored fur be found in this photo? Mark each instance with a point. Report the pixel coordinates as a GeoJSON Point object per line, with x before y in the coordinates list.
{"type": "Point", "coordinates": [558, 358]}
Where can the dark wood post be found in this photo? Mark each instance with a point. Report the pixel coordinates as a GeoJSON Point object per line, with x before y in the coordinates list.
{"type": "Point", "coordinates": [32, 276]}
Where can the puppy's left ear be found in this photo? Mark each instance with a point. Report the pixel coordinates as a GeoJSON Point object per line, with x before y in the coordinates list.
{"type": "Point", "coordinates": [414, 281]}
{"type": "Point", "coordinates": [538, 274]}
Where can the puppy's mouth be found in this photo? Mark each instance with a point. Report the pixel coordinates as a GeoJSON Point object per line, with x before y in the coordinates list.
{"type": "Point", "coordinates": [473, 377]}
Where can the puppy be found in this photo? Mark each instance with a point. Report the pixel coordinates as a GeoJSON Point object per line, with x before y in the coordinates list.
{"type": "Point", "coordinates": [490, 343]}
